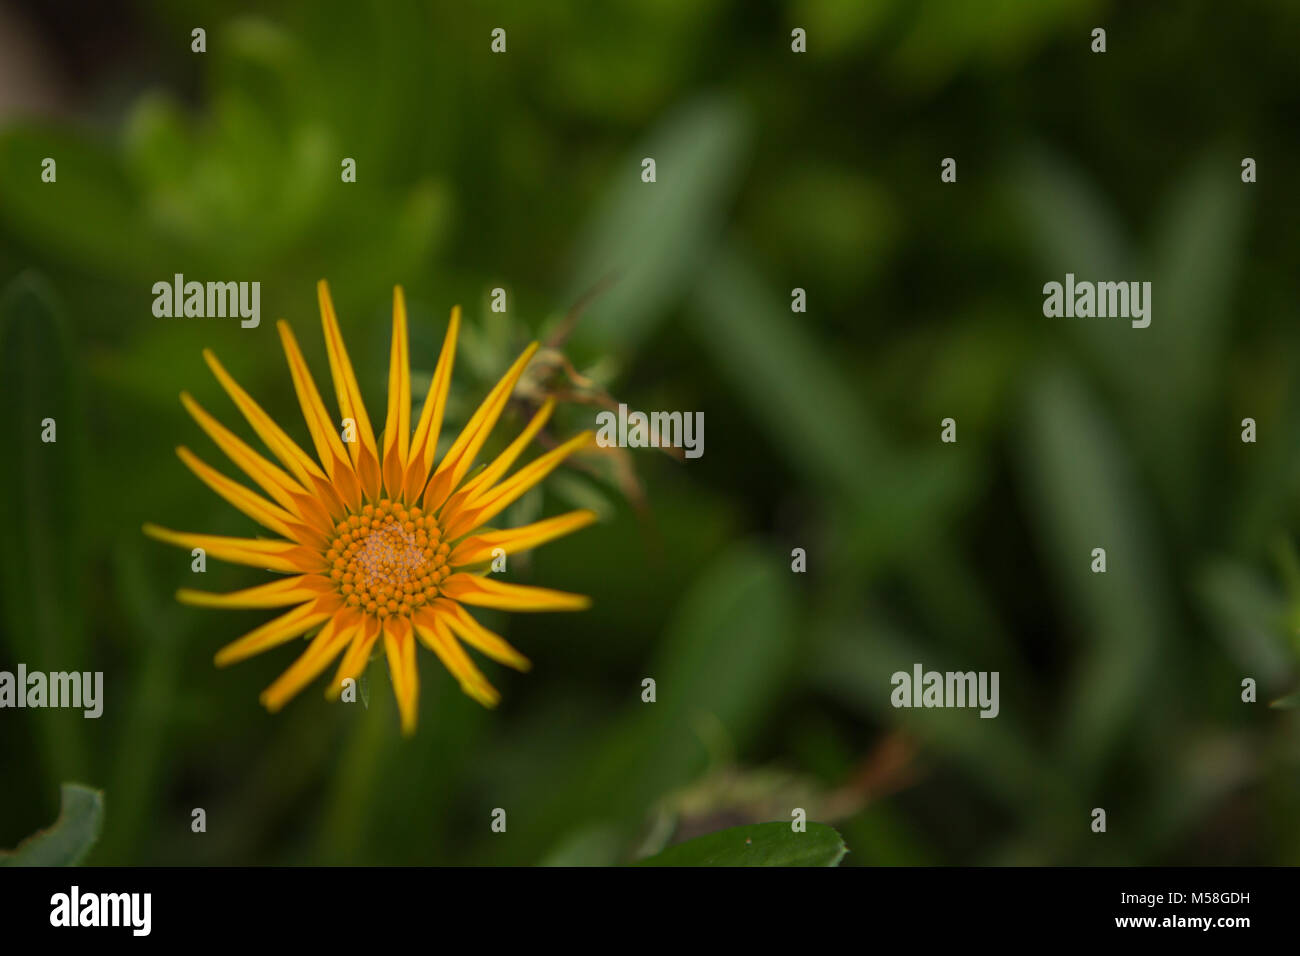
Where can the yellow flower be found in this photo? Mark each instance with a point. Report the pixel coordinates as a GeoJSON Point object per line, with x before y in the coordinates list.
{"type": "Point", "coordinates": [377, 545]}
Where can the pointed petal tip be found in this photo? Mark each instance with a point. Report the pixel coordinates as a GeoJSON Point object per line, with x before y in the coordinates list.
{"type": "Point", "coordinates": [490, 701]}
{"type": "Point", "coordinates": [325, 301]}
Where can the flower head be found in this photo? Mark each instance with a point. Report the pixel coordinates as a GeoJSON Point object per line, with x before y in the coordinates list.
{"type": "Point", "coordinates": [377, 543]}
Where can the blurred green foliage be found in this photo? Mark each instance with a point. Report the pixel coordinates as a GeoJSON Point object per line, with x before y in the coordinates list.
{"type": "Point", "coordinates": [775, 171]}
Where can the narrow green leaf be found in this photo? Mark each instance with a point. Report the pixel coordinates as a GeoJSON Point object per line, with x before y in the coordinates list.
{"type": "Point", "coordinates": [159, 628]}
{"type": "Point", "coordinates": [1197, 250]}
{"type": "Point", "coordinates": [1197, 253]}
{"type": "Point", "coordinates": [1072, 225]}
{"type": "Point", "coordinates": [40, 499]}
{"type": "Point", "coordinates": [793, 387]}
{"type": "Point", "coordinates": [1085, 496]}
{"type": "Point", "coordinates": [651, 238]}
{"type": "Point", "coordinates": [1247, 616]}
{"type": "Point", "coordinates": [759, 844]}
{"type": "Point", "coordinates": [69, 838]}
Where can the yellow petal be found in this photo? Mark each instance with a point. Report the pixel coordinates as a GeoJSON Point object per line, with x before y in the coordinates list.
{"type": "Point", "coordinates": [325, 646]}
{"type": "Point", "coordinates": [485, 592]}
{"type": "Point", "coordinates": [329, 496]}
{"type": "Point", "coordinates": [270, 478]}
{"type": "Point", "coordinates": [477, 636]}
{"type": "Point", "coordinates": [286, 591]}
{"type": "Point", "coordinates": [322, 509]}
{"type": "Point", "coordinates": [464, 498]}
{"type": "Point", "coordinates": [356, 658]}
{"type": "Point", "coordinates": [491, 502]}
{"type": "Point", "coordinates": [365, 455]}
{"type": "Point", "coordinates": [255, 552]}
{"type": "Point", "coordinates": [281, 445]}
{"type": "Point", "coordinates": [436, 636]}
{"type": "Point", "coordinates": [399, 645]}
{"type": "Point", "coordinates": [425, 443]}
{"type": "Point", "coordinates": [461, 455]}
{"type": "Point", "coordinates": [479, 547]}
{"type": "Point", "coordinates": [397, 427]}
{"type": "Point", "coordinates": [276, 632]}
{"type": "Point", "coordinates": [252, 504]}
{"type": "Point", "coordinates": [329, 447]}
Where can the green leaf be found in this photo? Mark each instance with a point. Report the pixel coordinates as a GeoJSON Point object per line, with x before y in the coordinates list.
{"type": "Point", "coordinates": [1193, 265]}
{"type": "Point", "coordinates": [1196, 254]}
{"type": "Point", "coordinates": [794, 389]}
{"type": "Point", "coordinates": [1084, 495]}
{"type": "Point", "coordinates": [598, 844]}
{"type": "Point", "coordinates": [1247, 616]}
{"type": "Point", "coordinates": [1072, 226]}
{"type": "Point", "coordinates": [40, 497]}
{"type": "Point", "coordinates": [1198, 248]}
{"type": "Point", "coordinates": [160, 632]}
{"type": "Point", "coordinates": [651, 238]}
{"type": "Point", "coordinates": [719, 667]}
{"type": "Point", "coordinates": [69, 838]}
{"type": "Point", "coordinates": [759, 844]}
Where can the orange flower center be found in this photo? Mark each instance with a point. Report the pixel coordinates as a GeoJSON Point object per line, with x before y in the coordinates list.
{"type": "Point", "coordinates": [388, 559]}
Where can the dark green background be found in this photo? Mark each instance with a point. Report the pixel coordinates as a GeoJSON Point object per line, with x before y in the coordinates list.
{"type": "Point", "coordinates": [775, 170]}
